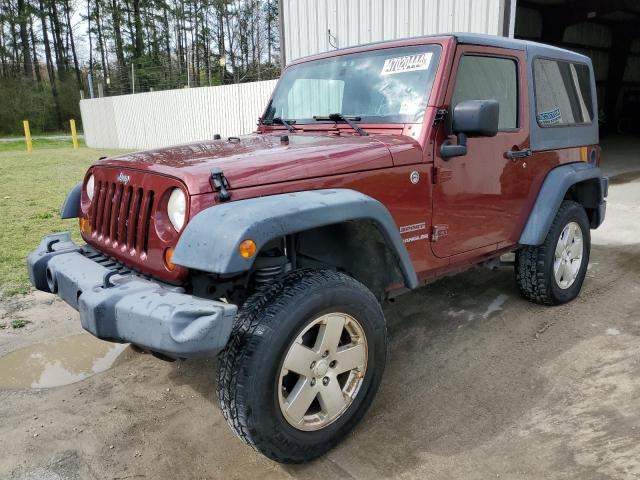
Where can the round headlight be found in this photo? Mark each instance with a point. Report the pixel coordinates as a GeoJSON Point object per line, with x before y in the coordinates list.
{"type": "Point", "coordinates": [89, 187]}
{"type": "Point", "coordinates": [177, 208]}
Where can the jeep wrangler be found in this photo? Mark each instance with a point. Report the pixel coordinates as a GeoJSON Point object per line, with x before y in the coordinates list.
{"type": "Point", "coordinates": [374, 170]}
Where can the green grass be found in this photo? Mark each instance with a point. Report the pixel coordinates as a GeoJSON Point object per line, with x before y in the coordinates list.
{"type": "Point", "coordinates": [19, 145]}
{"type": "Point", "coordinates": [32, 188]}
{"type": "Point", "coordinates": [19, 323]}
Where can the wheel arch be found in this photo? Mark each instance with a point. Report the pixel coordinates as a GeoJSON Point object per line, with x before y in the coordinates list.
{"type": "Point", "coordinates": [580, 182]}
{"type": "Point", "coordinates": [337, 227]}
{"type": "Point", "coordinates": [587, 194]}
{"type": "Point", "coordinates": [71, 205]}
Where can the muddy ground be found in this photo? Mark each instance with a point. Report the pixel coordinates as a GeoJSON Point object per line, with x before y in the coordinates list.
{"type": "Point", "coordinates": [479, 384]}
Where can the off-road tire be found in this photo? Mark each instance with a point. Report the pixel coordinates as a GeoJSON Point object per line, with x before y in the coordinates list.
{"type": "Point", "coordinates": [264, 329]}
{"type": "Point", "coordinates": [534, 264]}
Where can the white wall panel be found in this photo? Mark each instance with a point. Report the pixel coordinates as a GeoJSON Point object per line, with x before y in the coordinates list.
{"type": "Point", "coordinates": [356, 22]}
{"type": "Point", "coordinates": [158, 119]}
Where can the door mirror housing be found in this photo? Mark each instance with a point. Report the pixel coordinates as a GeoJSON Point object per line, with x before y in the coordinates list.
{"type": "Point", "coordinates": [471, 118]}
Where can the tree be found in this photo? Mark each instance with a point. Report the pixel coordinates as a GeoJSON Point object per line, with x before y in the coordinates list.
{"type": "Point", "coordinates": [23, 16]}
{"type": "Point", "coordinates": [169, 44]}
{"type": "Point", "coordinates": [67, 11]}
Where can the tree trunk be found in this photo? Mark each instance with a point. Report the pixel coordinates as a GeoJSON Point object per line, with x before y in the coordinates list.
{"type": "Point", "coordinates": [24, 39]}
{"type": "Point", "coordinates": [232, 53]}
{"type": "Point", "coordinates": [15, 54]}
{"type": "Point", "coordinates": [90, 73]}
{"type": "Point", "coordinates": [184, 42]}
{"type": "Point", "coordinates": [103, 60]}
{"type": "Point", "coordinates": [179, 44]}
{"type": "Point", "coordinates": [117, 34]}
{"type": "Point", "coordinates": [73, 44]}
{"type": "Point", "coordinates": [108, 66]}
{"type": "Point", "coordinates": [139, 40]}
{"type": "Point", "coordinates": [132, 33]}
{"type": "Point", "coordinates": [167, 45]}
{"type": "Point", "coordinates": [49, 60]}
{"type": "Point", "coordinates": [57, 38]}
{"type": "Point", "coordinates": [3, 58]}
{"type": "Point", "coordinates": [36, 63]}
{"type": "Point", "coordinates": [269, 19]}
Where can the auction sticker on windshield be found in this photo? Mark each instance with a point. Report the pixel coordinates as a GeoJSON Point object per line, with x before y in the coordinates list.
{"type": "Point", "coordinates": [408, 63]}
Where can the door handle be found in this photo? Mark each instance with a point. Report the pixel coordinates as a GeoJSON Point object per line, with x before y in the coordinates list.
{"type": "Point", "coordinates": [516, 154]}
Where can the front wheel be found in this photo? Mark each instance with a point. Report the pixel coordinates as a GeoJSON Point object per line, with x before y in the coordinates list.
{"type": "Point", "coordinates": [553, 273]}
{"type": "Point", "coordinates": [303, 364]}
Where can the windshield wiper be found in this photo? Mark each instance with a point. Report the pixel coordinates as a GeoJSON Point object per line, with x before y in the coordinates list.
{"type": "Point", "coordinates": [338, 117]}
{"type": "Point", "coordinates": [287, 123]}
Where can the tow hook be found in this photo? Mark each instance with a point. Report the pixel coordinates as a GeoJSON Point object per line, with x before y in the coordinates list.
{"type": "Point", "coordinates": [220, 184]}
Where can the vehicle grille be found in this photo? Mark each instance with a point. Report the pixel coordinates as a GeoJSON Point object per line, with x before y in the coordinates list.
{"type": "Point", "coordinates": [122, 215]}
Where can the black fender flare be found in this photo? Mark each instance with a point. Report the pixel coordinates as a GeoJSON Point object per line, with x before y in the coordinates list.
{"type": "Point", "coordinates": [210, 241]}
{"type": "Point", "coordinates": [71, 205]}
{"type": "Point", "coordinates": [553, 191]}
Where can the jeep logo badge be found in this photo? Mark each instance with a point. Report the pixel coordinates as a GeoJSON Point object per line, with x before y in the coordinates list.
{"type": "Point", "coordinates": [122, 178]}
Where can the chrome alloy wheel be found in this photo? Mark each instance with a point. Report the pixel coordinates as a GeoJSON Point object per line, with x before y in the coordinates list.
{"type": "Point", "coordinates": [322, 371]}
{"type": "Point", "coordinates": [568, 255]}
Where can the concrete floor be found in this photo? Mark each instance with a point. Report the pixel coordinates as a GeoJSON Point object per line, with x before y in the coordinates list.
{"type": "Point", "coordinates": [479, 384]}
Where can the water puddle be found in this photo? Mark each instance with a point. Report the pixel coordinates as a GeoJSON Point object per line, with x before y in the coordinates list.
{"type": "Point", "coordinates": [58, 362]}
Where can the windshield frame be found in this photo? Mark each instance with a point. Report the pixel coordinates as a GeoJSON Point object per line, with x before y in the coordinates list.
{"type": "Point", "coordinates": [429, 96]}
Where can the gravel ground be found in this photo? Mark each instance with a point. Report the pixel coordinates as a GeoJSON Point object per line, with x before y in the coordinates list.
{"type": "Point", "coordinates": [479, 384]}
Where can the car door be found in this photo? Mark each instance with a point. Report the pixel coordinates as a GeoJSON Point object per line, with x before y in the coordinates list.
{"type": "Point", "coordinates": [477, 197]}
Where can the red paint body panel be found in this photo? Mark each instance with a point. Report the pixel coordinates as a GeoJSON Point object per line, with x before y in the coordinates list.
{"type": "Point", "coordinates": [483, 198]}
{"type": "Point", "coordinates": [260, 159]}
{"type": "Point", "coordinates": [479, 195]}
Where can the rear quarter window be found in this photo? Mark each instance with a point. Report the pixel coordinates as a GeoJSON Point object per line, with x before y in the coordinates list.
{"type": "Point", "coordinates": [562, 93]}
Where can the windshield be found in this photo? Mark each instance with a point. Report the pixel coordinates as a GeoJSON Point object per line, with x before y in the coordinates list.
{"type": "Point", "coordinates": [382, 86]}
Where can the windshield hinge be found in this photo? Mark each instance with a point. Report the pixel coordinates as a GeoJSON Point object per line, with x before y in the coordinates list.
{"type": "Point", "coordinates": [220, 184]}
{"type": "Point", "coordinates": [441, 113]}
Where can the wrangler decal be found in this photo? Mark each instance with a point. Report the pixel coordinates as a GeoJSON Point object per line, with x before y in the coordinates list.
{"type": "Point", "coordinates": [424, 236]}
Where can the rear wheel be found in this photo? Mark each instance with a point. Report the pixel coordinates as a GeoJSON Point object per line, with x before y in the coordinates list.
{"type": "Point", "coordinates": [553, 273]}
{"type": "Point", "coordinates": [303, 365]}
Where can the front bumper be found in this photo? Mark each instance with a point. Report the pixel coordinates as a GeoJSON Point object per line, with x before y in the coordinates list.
{"type": "Point", "coordinates": [126, 308]}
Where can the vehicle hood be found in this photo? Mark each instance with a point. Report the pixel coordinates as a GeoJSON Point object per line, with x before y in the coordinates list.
{"type": "Point", "coordinates": [259, 159]}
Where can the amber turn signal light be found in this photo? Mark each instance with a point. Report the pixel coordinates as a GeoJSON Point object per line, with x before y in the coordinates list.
{"type": "Point", "coordinates": [168, 255]}
{"type": "Point", "coordinates": [583, 154]}
{"type": "Point", "coordinates": [85, 226]}
{"type": "Point", "coordinates": [247, 248]}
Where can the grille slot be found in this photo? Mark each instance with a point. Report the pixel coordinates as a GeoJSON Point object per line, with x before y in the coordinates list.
{"type": "Point", "coordinates": [121, 216]}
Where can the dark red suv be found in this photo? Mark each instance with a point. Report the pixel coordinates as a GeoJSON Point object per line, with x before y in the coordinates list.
{"type": "Point", "coordinates": [374, 170]}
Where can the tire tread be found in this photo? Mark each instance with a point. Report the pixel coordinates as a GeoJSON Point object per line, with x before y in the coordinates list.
{"type": "Point", "coordinates": [532, 263]}
{"type": "Point", "coordinates": [253, 319]}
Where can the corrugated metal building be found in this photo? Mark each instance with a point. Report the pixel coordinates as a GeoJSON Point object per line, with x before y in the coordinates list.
{"type": "Point", "coordinates": [313, 26]}
{"type": "Point", "coordinates": [606, 30]}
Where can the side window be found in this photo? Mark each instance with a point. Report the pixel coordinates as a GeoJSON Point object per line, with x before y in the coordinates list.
{"type": "Point", "coordinates": [563, 93]}
{"type": "Point", "coordinates": [489, 78]}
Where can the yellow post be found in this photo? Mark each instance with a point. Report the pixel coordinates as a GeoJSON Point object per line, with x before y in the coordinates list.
{"type": "Point", "coordinates": [74, 134]}
{"type": "Point", "coordinates": [27, 135]}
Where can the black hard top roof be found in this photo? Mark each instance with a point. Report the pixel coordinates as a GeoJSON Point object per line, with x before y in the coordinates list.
{"type": "Point", "coordinates": [532, 48]}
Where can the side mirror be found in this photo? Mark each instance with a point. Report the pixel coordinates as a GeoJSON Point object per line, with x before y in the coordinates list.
{"type": "Point", "coordinates": [472, 118]}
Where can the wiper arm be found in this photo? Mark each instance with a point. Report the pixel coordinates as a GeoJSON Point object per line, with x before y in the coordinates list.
{"type": "Point", "coordinates": [281, 121]}
{"type": "Point", "coordinates": [338, 117]}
